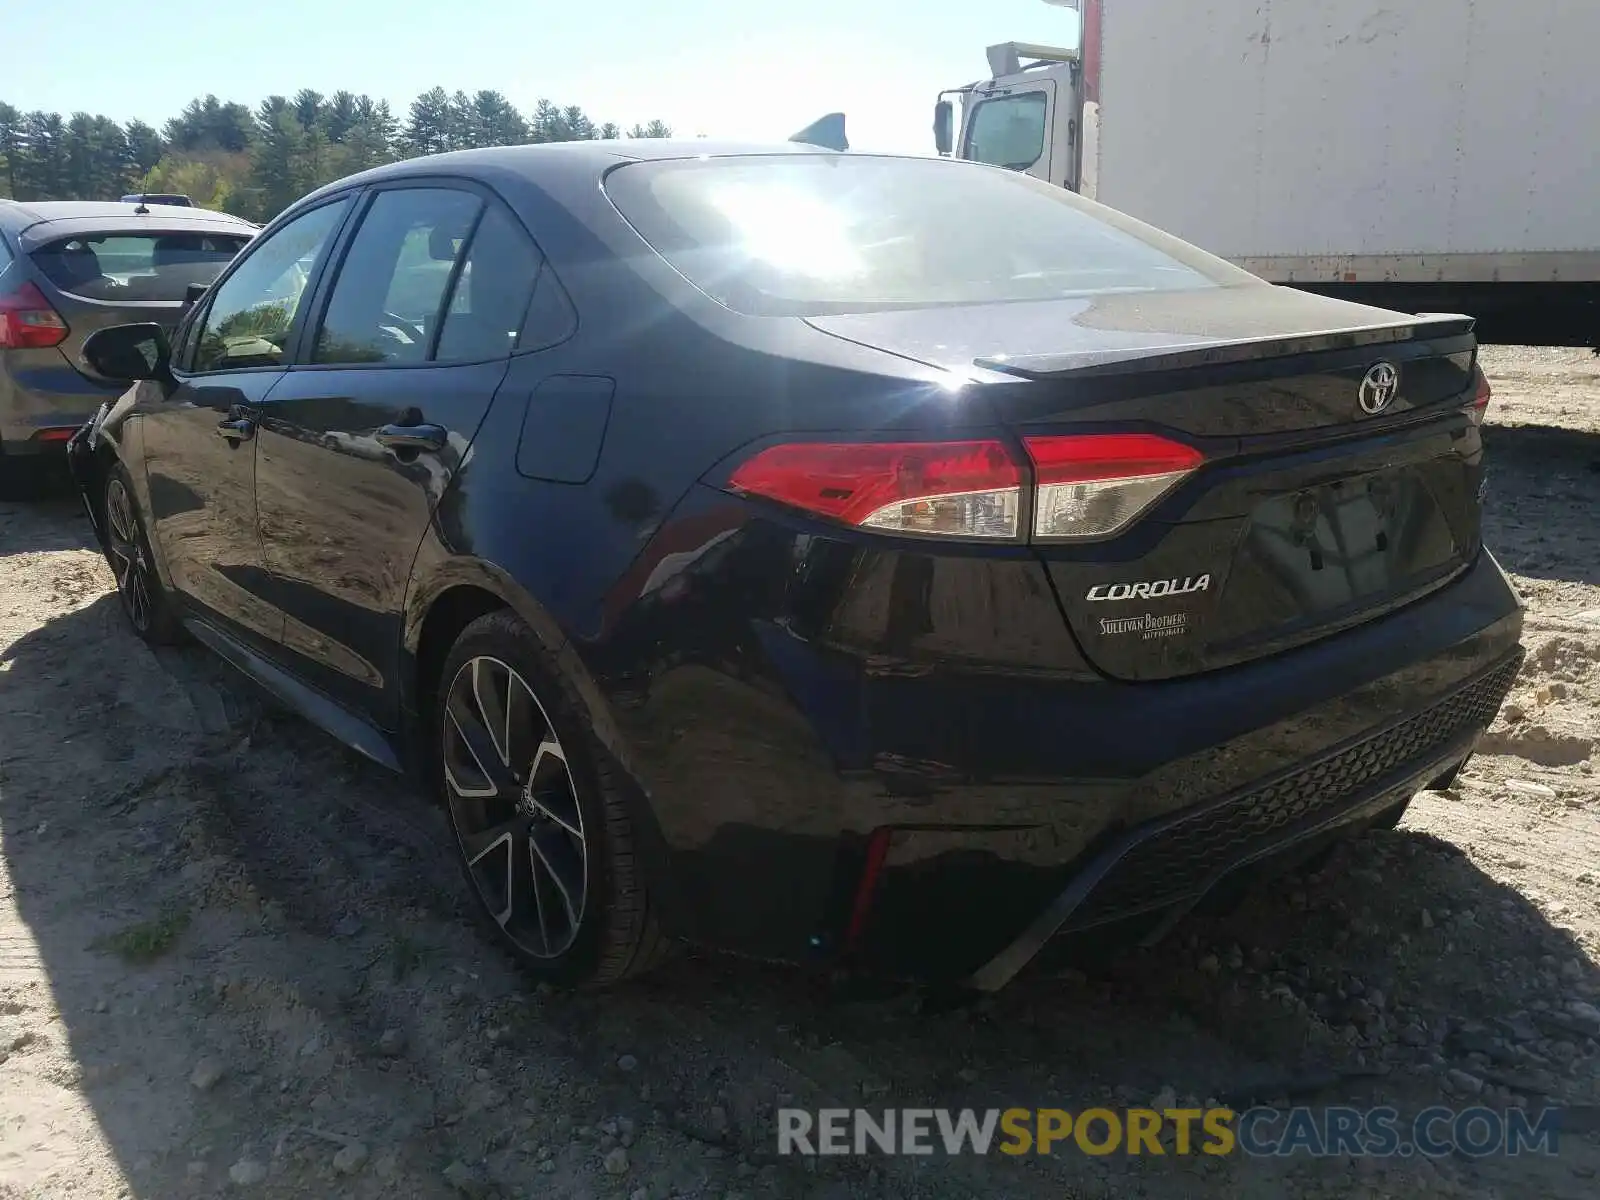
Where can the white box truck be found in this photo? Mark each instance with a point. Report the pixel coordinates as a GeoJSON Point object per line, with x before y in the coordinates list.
{"type": "Point", "coordinates": [1432, 155]}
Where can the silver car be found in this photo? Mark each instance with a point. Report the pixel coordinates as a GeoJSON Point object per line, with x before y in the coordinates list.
{"type": "Point", "coordinates": [68, 268]}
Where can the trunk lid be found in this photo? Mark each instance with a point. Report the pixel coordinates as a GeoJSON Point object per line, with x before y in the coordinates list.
{"type": "Point", "coordinates": [1310, 513]}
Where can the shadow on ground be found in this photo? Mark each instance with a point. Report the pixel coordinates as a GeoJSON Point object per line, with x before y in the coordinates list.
{"type": "Point", "coordinates": [40, 523]}
{"type": "Point", "coordinates": [208, 885]}
{"type": "Point", "coordinates": [1540, 478]}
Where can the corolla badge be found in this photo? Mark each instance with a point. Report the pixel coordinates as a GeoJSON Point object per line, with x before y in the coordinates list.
{"type": "Point", "coordinates": [1379, 387]}
{"type": "Point", "coordinates": [1150, 590]}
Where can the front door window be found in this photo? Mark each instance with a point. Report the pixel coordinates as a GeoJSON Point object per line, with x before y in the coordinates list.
{"type": "Point", "coordinates": [253, 311]}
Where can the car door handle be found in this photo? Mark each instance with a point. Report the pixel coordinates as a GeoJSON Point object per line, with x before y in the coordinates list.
{"type": "Point", "coordinates": [412, 437]}
{"type": "Point", "coordinates": [237, 429]}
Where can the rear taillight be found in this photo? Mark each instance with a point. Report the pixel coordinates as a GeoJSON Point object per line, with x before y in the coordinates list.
{"type": "Point", "coordinates": [1087, 485]}
{"type": "Point", "coordinates": [27, 322]}
{"type": "Point", "coordinates": [1480, 396]}
{"type": "Point", "coordinates": [954, 489]}
{"type": "Point", "coordinates": [1092, 485]}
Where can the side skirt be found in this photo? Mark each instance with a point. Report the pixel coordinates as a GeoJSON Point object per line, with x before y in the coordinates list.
{"type": "Point", "coordinates": [328, 715]}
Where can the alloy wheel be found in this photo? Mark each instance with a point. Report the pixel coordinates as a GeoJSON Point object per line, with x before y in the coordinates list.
{"type": "Point", "coordinates": [515, 807]}
{"type": "Point", "coordinates": [128, 561]}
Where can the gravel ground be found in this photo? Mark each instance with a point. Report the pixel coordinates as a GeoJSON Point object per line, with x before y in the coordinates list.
{"type": "Point", "coordinates": [234, 959]}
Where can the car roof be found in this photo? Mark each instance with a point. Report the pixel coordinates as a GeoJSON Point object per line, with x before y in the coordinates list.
{"type": "Point", "coordinates": [36, 221]}
{"type": "Point", "coordinates": [576, 158]}
{"type": "Point", "coordinates": [593, 154]}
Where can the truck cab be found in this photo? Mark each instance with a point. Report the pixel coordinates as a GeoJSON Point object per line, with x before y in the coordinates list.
{"type": "Point", "coordinates": [1026, 117]}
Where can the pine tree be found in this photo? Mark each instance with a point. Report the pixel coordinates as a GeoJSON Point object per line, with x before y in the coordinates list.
{"type": "Point", "coordinates": [308, 109]}
{"type": "Point", "coordinates": [44, 162]}
{"type": "Point", "coordinates": [385, 129]}
{"type": "Point", "coordinates": [496, 121]}
{"type": "Point", "coordinates": [208, 124]}
{"type": "Point", "coordinates": [256, 162]}
{"type": "Point", "coordinates": [276, 176]}
{"type": "Point", "coordinates": [548, 125]}
{"type": "Point", "coordinates": [12, 148]}
{"type": "Point", "coordinates": [340, 116]}
{"type": "Point", "coordinates": [428, 127]}
{"type": "Point", "coordinates": [460, 130]}
{"type": "Point", "coordinates": [369, 139]}
{"type": "Point", "coordinates": [579, 126]}
{"type": "Point", "coordinates": [96, 157]}
{"type": "Point", "coordinates": [144, 147]}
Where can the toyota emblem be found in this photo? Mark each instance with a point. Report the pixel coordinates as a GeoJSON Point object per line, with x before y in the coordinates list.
{"type": "Point", "coordinates": [1378, 387]}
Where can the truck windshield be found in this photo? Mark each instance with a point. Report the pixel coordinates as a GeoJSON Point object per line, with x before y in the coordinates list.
{"type": "Point", "coordinates": [1008, 131]}
{"type": "Point", "coordinates": [803, 234]}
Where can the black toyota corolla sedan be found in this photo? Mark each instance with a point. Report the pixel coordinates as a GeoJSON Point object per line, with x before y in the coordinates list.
{"type": "Point", "coordinates": [881, 562]}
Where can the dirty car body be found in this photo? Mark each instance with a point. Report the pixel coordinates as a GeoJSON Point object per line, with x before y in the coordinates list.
{"type": "Point", "coordinates": [930, 592]}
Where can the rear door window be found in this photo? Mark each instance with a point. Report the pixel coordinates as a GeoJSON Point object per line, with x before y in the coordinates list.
{"type": "Point", "coordinates": [433, 275]}
{"type": "Point", "coordinates": [390, 292]}
{"type": "Point", "coordinates": [489, 314]}
{"type": "Point", "coordinates": [120, 268]}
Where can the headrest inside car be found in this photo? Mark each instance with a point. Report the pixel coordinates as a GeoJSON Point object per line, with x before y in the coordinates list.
{"type": "Point", "coordinates": [443, 242]}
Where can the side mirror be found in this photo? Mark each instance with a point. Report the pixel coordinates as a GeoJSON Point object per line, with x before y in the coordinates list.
{"type": "Point", "coordinates": [127, 353]}
{"type": "Point", "coordinates": [192, 293]}
{"type": "Point", "coordinates": [943, 133]}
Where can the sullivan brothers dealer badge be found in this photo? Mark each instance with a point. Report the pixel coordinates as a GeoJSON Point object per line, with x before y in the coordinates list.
{"type": "Point", "coordinates": [1148, 626]}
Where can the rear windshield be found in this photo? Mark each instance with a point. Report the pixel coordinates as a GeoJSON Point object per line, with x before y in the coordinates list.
{"type": "Point", "coordinates": [136, 266]}
{"type": "Point", "coordinates": [810, 234]}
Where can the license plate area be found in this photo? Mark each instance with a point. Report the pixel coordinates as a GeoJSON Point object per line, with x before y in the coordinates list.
{"type": "Point", "coordinates": [1326, 547]}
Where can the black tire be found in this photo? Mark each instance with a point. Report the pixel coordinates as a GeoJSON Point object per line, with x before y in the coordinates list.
{"type": "Point", "coordinates": [546, 795]}
{"type": "Point", "coordinates": [145, 601]}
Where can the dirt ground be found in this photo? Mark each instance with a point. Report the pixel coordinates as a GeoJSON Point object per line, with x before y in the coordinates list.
{"type": "Point", "coordinates": [234, 958]}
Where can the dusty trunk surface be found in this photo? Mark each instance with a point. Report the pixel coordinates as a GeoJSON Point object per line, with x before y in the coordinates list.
{"type": "Point", "coordinates": [234, 958]}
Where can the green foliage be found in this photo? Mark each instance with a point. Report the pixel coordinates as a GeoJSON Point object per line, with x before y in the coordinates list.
{"type": "Point", "coordinates": [225, 156]}
{"type": "Point", "coordinates": [145, 941]}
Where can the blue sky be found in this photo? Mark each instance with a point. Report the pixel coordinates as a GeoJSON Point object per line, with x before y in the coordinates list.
{"type": "Point", "coordinates": [704, 66]}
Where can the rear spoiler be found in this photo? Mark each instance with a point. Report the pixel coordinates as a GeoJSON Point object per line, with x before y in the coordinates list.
{"type": "Point", "coordinates": [1203, 354]}
{"type": "Point", "coordinates": [827, 132]}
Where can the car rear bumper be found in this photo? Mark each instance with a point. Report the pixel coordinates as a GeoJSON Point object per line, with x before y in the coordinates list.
{"type": "Point", "coordinates": [1169, 864]}
{"type": "Point", "coordinates": [47, 438]}
{"type": "Point", "coordinates": [42, 405]}
{"type": "Point", "coordinates": [945, 823]}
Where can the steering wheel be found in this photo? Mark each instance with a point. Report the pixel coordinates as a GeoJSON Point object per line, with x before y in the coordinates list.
{"type": "Point", "coordinates": [401, 330]}
{"type": "Point", "coordinates": [406, 323]}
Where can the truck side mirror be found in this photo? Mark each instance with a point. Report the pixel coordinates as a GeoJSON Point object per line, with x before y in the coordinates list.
{"type": "Point", "coordinates": [943, 136]}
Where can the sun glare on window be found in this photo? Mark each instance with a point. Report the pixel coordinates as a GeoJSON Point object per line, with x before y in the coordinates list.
{"type": "Point", "coordinates": [789, 229]}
